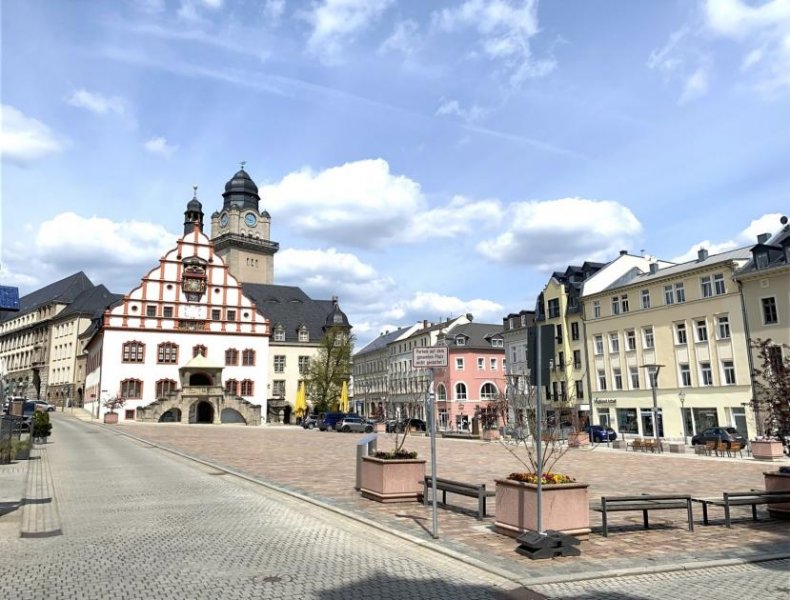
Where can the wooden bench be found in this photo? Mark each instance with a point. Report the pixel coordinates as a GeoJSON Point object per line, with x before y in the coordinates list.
{"type": "Point", "coordinates": [472, 490]}
{"type": "Point", "coordinates": [644, 503]}
{"type": "Point", "coordinates": [720, 449]}
{"type": "Point", "coordinates": [730, 499]}
{"type": "Point", "coordinates": [644, 445]}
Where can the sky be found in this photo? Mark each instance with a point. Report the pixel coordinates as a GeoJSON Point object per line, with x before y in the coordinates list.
{"type": "Point", "coordinates": [419, 160]}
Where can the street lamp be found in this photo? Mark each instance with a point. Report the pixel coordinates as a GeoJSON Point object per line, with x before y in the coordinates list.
{"type": "Point", "coordinates": [652, 371]}
{"type": "Point", "coordinates": [682, 398]}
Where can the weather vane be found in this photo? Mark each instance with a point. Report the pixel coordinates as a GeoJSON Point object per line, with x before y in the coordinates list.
{"type": "Point", "coordinates": [244, 162]}
{"type": "Point", "coordinates": [194, 190]}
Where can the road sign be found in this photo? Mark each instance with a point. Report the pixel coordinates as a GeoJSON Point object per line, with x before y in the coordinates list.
{"type": "Point", "coordinates": [430, 357]}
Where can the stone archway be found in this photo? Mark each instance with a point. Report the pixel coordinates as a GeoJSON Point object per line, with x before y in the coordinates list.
{"type": "Point", "coordinates": [204, 412]}
{"type": "Point", "coordinates": [231, 415]}
{"type": "Point", "coordinates": [171, 416]}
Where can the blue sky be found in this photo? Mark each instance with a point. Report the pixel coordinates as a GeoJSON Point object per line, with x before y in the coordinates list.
{"type": "Point", "coordinates": [419, 159]}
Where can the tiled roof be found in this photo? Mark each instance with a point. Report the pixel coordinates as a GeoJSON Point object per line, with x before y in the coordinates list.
{"type": "Point", "coordinates": [477, 334]}
{"type": "Point", "coordinates": [775, 250]}
{"type": "Point", "coordinates": [92, 302]}
{"type": "Point", "coordinates": [63, 291]}
{"type": "Point", "coordinates": [382, 341]}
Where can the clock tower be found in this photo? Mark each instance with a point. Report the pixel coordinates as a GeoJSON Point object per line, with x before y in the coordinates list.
{"type": "Point", "coordinates": [240, 232]}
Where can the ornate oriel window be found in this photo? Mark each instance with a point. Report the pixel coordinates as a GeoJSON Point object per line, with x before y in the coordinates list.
{"type": "Point", "coordinates": [133, 352]}
{"type": "Point", "coordinates": [165, 387]}
{"type": "Point", "coordinates": [199, 349]}
{"type": "Point", "coordinates": [231, 356]}
{"type": "Point", "coordinates": [248, 357]}
{"type": "Point", "coordinates": [167, 353]}
{"type": "Point", "coordinates": [132, 389]}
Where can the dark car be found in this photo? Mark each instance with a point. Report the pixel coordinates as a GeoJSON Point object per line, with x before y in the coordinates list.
{"type": "Point", "coordinates": [329, 420]}
{"type": "Point", "coordinates": [600, 433]}
{"type": "Point", "coordinates": [719, 434]}
{"type": "Point", "coordinates": [404, 424]}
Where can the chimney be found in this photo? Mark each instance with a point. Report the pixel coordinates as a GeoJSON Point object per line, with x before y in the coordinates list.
{"type": "Point", "coordinates": [702, 254]}
{"type": "Point", "coordinates": [653, 268]}
{"type": "Point", "coordinates": [623, 252]}
{"type": "Point", "coordinates": [425, 323]}
{"type": "Point", "coordinates": [763, 237]}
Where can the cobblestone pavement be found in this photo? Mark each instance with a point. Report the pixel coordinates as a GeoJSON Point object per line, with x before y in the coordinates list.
{"type": "Point", "coordinates": [138, 522]}
{"type": "Point", "coordinates": [321, 465]}
{"type": "Point", "coordinates": [765, 580]}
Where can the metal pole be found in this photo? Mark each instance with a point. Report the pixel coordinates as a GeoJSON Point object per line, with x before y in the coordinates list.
{"type": "Point", "coordinates": [432, 422]}
{"type": "Point", "coordinates": [655, 403]}
{"type": "Point", "coordinates": [539, 434]}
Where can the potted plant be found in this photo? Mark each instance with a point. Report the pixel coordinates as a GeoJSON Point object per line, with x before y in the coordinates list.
{"type": "Point", "coordinates": [396, 476]}
{"type": "Point", "coordinates": [6, 451]}
{"type": "Point", "coordinates": [771, 400]}
{"type": "Point", "coordinates": [113, 404]}
{"type": "Point", "coordinates": [41, 427]}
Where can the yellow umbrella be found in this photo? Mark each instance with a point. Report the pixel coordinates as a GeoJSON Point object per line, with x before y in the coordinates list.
{"type": "Point", "coordinates": [300, 406]}
{"type": "Point", "coordinates": [344, 397]}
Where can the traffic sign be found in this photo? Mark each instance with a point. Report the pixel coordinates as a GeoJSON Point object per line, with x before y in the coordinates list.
{"type": "Point", "coordinates": [430, 357]}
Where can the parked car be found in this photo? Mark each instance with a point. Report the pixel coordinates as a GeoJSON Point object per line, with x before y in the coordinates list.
{"type": "Point", "coordinates": [310, 422]}
{"type": "Point", "coordinates": [719, 434]}
{"type": "Point", "coordinates": [600, 433]}
{"type": "Point", "coordinates": [330, 419]}
{"type": "Point", "coordinates": [403, 424]}
{"type": "Point", "coordinates": [354, 423]}
{"type": "Point", "coordinates": [45, 405]}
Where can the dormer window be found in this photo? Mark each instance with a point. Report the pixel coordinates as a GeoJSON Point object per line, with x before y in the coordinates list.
{"type": "Point", "coordinates": [304, 334]}
{"type": "Point", "coordinates": [762, 260]}
{"type": "Point", "coordinates": [460, 340]}
{"type": "Point", "coordinates": [497, 343]}
{"type": "Point", "coordinates": [279, 334]}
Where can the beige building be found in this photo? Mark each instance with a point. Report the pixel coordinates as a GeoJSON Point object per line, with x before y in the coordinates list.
{"type": "Point", "coordinates": [687, 318]}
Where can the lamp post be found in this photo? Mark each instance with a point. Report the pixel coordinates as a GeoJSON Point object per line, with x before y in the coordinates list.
{"type": "Point", "coordinates": [682, 398]}
{"type": "Point", "coordinates": [652, 371]}
{"type": "Point", "coordinates": [461, 411]}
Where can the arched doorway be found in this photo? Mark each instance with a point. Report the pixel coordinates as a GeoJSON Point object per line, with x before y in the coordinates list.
{"type": "Point", "coordinates": [231, 415]}
{"type": "Point", "coordinates": [199, 379]}
{"type": "Point", "coordinates": [205, 412]}
{"type": "Point", "coordinates": [171, 416]}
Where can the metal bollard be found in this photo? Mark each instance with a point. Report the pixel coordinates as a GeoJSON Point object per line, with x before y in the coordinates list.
{"type": "Point", "coordinates": [365, 446]}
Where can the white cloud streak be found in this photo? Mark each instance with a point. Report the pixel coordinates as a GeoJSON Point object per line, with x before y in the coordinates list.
{"type": "Point", "coordinates": [159, 146]}
{"type": "Point", "coordinates": [97, 103]}
{"type": "Point", "coordinates": [336, 23]}
{"type": "Point", "coordinates": [24, 139]}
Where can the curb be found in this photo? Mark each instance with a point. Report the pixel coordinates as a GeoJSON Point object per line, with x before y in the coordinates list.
{"type": "Point", "coordinates": [508, 575]}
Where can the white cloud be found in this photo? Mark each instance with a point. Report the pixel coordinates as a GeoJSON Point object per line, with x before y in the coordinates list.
{"type": "Point", "coordinates": [403, 38]}
{"type": "Point", "coordinates": [695, 87]}
{"type": "Point", "coordinates": [97, 103]}
{"type": "Point", "coordinates": [460, 216]}
{"type": "Point", "coordinates": [160, 147]}
{"type": "Point", "coordinates": [190, 10]}
{"type": "Point", "coordinates": [273, 9]}
{"type": "Point", "coordinates": [666, 59]}
{"type": "Point", "coordinates": [505, 29]}
{"type": "Point", "coordinates": [437, 307]}
{"type": "Point", "coordinates": [768, 223]}
{"type": "Point", "coordinates": [336, 22]}
{"type": "Point", "coordinates": [24, 139]}
{"type": "Point", "coordinates": [548, 233]}
{"type": "Point", "coordinates": [469, 115]}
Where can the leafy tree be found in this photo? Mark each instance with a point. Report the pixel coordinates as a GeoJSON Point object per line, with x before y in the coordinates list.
{"type": "Point", "coordinates": [771, 400]}
{"type": "Point", "coordinates": [329, 368]}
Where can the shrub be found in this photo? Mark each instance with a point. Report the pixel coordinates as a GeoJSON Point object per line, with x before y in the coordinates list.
{"type": "Point", "coordinates": [41, 425]}
{"type": "Point", "coordinates": [549, 478]}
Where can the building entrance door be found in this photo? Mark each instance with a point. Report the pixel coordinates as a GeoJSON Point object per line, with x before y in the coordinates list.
{"type": "Point", "coordinates": [205, 412]}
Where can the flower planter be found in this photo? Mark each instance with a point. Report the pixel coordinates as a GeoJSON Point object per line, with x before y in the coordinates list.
{"type": "Point", "coordinates": [778, 482]}
{"type": "Point", "coordinates": [767, 450]}
{"type": "Point", "coordinates": [491, 434]}
{"type": "Point", "coordinates": [380, 427]}
{"type": "Point", "coordinates": [565, 508]}
{"type": "Point", "coordinates": [111, 418]}
{"type": "Point", "coordinates": [392, 480]}
{"type": "Point", "coordinates": [578, 438]}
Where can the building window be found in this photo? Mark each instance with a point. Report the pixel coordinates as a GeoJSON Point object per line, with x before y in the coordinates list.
{"type": "Point", "coordinates": [630, 340]}
{"type": "Point", "coordinates": [669, 297]}
{"type": "Point", "coordinates": [702, 331]}
{"type": "Point", "coordinates": [614, 343]}
{"type": "Point", "coordinates": [459, 364]}
{"type": "Point", "coordinates": [167, 353]}
{"type": "Point", "coordinates": [561, 359]}
{"type": "Point", "coordinates": [615, 305]}
{"type": "Point", "coordinates": [497, 343]}
{"type": "Point", "coordinates": [718, 284]}
{"type": "Point", "coordinates": [150, 310]}
{"type": "Point", "coordinates": [167, 312]}
{"type": "Point", "coordinates": [645, 298]}
{"type": "Point", "coordinates": [627, 421]}
{"type": "Point", "coordinates": [707, 286]}
{"type": "Point", "coordinates": [706, 373]}
{"type": "Point", "coordinates": [165, 387]}
{"type": "Point", "coordinates": [598, 344]}
{"type": "Point", "coordinates": [577, 359]}
{"type": "Point", "coordinates": [248, 357]}
{"type": "Point", "coordinates": [723, 326]}
{"type": "Point", "coordinates": [131, 389]}
{"type": "Point", "coordinates": [775, 359]}
{"type": "Point", "coordinates": [579, 389]}
{"type": "Point", "coordinates": [231, 356]}
{"type": "Point", "coordinates": [304, 335]}
{"type": "Point", "coordinates": [770, 316]}
{"type": "Point", "coordinates": [278, 388]}
{"type": "Point", "coordinates": [216, 314]}
{"type": "Point", "coordinates": [460, 391]}
{"type": "Point", "coordinates": [523, 320]}
{"type": "Point", "coordinates": [680, 293]}
{"type": "Point", "coordinates": [602, 380]}
{"type": "Point", "coordinates": [304, 364]}
{"type": "Point", "coordinates": [729, 372]}
{"type": "Point", "coordinates": [133, 352]}
{"type": "Point", "coordinates": [460, 340]}
{"type": "Point", "coordinates": [232, 317]}
{"type": "Point", "coordinates": [481, 364]}
{"type": "Point", "coordinates": [232, 387]}
{"type": "Point", "coordinates": [575, 331]}
{"type": "Point", "coordinates": [492, 364]}
{"type": "Point", "coordinates": [596, 309]}
{"type": "Point", "coordinates": [685, 375]}
{"type": "Point", "coordinates": [279, 334]}
{"type": "Point", "coordinates": [647, 333]}
{"type": "Point", "coordinates": [488, 392]}
{"type": "Point", "coordinates": [279, 363]}
{"type": "Point", "coordinates": [199, 349]}
{"type": "Point", "coordinates": [680, 331]}
{"type": "Point", "coordinates": [441, 393]}
{"type": "Point", "coordinates": [558, 337]}
{"type": "Point", "coordinates": [128, 414]}
{"type": "Point", "coordinates": [247, 387]}
{"type": "Point", "coordinates": [634, 377]}
{"type": "Point", "coordinates": [762, 260]}
{"type": "Point", "coordinates": [554, 308]}
{"type": "Point", "coordinates": [618, 379]}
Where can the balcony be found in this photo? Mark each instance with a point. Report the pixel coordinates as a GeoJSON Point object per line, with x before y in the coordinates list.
{"type": "Point", "coordinates": [202, 390]}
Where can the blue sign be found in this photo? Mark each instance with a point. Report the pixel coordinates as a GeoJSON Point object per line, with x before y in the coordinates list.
{"type": "Point", "coordinates": [9, 298]}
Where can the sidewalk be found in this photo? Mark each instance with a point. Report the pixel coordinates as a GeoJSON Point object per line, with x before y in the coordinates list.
{"type": "Point", "coordinates": [320, 466]}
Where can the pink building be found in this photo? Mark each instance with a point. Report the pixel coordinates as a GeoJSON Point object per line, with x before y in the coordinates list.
{"type": "Point", "coordinates": [474, 379]}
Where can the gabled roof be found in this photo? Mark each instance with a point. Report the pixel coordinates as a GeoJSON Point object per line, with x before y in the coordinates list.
{"type": "Point", "coordinates": [381, 341]}
{"type": "Point", "coordinates": [63, 291]}
{"type": "Point", "coordinates": [774, 250]}
{"type": "Point", "coordinates": [478, 335]}
{"type": "Point", "coordinates": [91, 303]}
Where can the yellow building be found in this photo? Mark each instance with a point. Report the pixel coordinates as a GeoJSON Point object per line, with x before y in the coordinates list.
{"type": "Point", "coordinates": [688, 319]}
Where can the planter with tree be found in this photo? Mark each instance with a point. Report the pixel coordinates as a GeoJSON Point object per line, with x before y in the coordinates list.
{"type": "Point", "coordinates": [113, 404]}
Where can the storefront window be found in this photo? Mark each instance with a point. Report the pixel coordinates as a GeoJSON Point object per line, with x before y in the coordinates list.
{"type": "Point", "coordinates": [705, 418]}
{"type": "Point", "coordinates": [626, 420]}
{"type": "Point", "coordinates": [647, 422]}
{"type": "Point", "coordinates": [603, 417]}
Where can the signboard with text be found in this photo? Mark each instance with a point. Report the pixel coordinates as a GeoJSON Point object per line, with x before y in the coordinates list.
{"type": "Point", "coordinates": [429, 357]}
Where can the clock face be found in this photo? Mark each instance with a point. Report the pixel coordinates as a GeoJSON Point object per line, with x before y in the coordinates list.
{"type": "Point", "coordinates": [250, 219]}
{"type": "Point", "coordinates": [223, 220]}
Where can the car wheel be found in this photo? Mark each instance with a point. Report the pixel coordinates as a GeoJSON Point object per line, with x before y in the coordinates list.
{"type": "Point", "coordinates": [346, 429]}
{"type": "Point", "coordinates": [311, 425]}
{"type": "Point", "coordinates": [368, 429]}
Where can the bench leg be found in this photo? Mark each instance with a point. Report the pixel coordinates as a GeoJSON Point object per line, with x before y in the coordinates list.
{"type": "Point", "coordinates": [754, 512]}
{"type": "Point", "coordinates": [603, 522]}
{"type": "Point", "coordinates": [481, 504]}
{"type": "Point", "coordinates": [444, 497]}
{"type": "Point", "coordinates": [691, 517]}
{"type": "Point", "coordinates": [644, 518]}
{"type": "Point", "coordinates": [727, 514]}
{"type": "Point", "coordinates": [705, 513]}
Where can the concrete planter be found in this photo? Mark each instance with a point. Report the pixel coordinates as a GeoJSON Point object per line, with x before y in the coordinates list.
{"type": "Point", "coordinates": [111, 418]}
{"type": "Point", "coordinates": [566, 508]}
{"type": "Point", "coordinates": [767, 450]}
{"type": "Point", "coordinates": [491, 434]}
{"type": "Point", "coordinates": [778, 482]}
{"type": "Point", "coordinates": [380, 427]}
{"type": "Point", "coordinates": [392, 480]}
{"type": "Point", "coordinates": [578, 438]}
{"type": "Point", "coordinates": [619, 444]}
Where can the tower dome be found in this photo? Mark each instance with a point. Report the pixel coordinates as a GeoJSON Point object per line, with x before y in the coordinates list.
{"type": "Point", "coordinates": [193, 215]}
{"type": "Point", "coordinates": [241, 191]}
